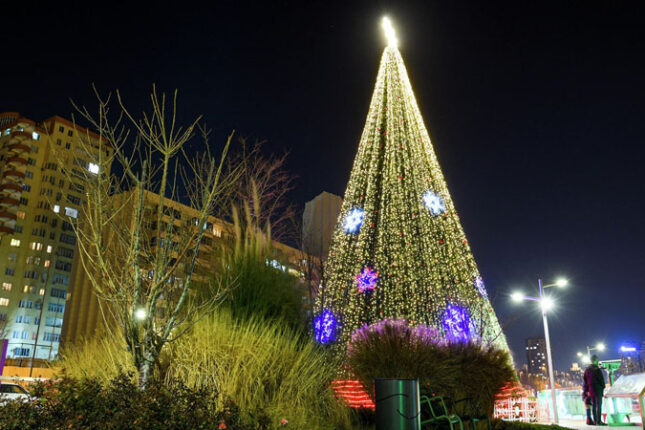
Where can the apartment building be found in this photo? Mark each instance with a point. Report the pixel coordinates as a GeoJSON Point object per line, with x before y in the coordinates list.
{"type": "Point", "coordinates": [85, 318]}
{"type": "Point", "coordinates": [43, 172]}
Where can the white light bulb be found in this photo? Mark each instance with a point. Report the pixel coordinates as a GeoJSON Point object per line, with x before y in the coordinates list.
{"type": "Point", "coordinates": [561, 283]}
{"type": "Point", "coordinates": [547, 303]}
{"type": "Point", "coordinates": [517, 296]}
{"type": "Point", "coordinates": [140, 314]}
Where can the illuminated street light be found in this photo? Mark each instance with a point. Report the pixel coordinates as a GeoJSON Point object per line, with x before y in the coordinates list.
{"type": "Point", "coordinates": [140, 314]}
{"type": "Point", "coordinates": [546, 303]}
{"type": "Point", "coordinates": [517, 296]}
{"type": "Point", "coordinates": [561, 283]}
{"type": "Point", "coordinates": [599, 347]}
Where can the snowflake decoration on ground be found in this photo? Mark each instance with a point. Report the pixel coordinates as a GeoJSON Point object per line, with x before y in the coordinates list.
{"type": "Point", "coordinates": [456, 322]}
{"type": "Point", "coordinates": [434, 202]}
{"type": "Point", "coordinates": [353, 220]}
{"type": "Point", "coordinates": [325, 327]}
{"type": "Point", "coordinates": [366, 280]}
{"type": "Point", "coordinates": [481, 288]}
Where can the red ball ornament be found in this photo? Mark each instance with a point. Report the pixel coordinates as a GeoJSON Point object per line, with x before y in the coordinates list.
{"type": "Point", "coordinates": [440, 241]}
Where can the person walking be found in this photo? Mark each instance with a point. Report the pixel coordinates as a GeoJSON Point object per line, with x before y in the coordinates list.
{"type": "Point", "coordinates": [593, 386]}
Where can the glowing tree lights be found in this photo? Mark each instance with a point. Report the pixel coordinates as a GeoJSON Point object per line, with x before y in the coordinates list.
{"type": "Point", "coordinates": [399, 217]}
{"type": "Point", "coordinates": [353, 220]}
{"type": "Point", "coordinates": [366, 280]}
{"type": "Point", "coordinates": [325, 327]}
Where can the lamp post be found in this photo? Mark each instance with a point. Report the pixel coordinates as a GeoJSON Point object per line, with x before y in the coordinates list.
{"type": "Point", "coordinates": [545, 304]}
{"type": "Point", "coordinates": [587, 358]}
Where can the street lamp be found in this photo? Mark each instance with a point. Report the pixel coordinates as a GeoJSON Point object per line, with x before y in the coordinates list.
{"type": "Point", "coordinates": [546, 304]}
{"type": "Point", "coordinates": [599, 347]}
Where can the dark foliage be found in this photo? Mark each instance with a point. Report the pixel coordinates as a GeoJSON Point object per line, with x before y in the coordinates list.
{"type": "Point", "coordinates": [391, 349]}
{"type": "Point", "coordinates": [85, 404]}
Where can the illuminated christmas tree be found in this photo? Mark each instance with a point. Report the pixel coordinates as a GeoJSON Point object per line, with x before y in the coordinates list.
{"type": "Point", "coordinates": [399, 250]}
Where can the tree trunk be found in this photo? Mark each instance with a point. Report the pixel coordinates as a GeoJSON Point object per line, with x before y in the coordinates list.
{"type": "Point", "coordinates": [145, 371]}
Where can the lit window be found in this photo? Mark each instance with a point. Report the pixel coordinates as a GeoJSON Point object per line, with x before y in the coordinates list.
{"type": "Point", "coordinates": [71, 212]}
{"type": "Point", "coordinates": [42, 292]}
{"type": "Point", "coordinates": [4, 301]}
{"type": "Point", "coordinates": [36, 246]}
{"type": "Point", "coordinates": [20, 214]}
{"type": "Point", "coordinates": [46, 263]}
{"type": "Point", "coordinates": [56, 208]}
{"type": "Point", "coordinates": [93, 168]}
{"type": "Point", "coordinates": [49, 249]}
{"type": "Point", "coordinates": [15, 242]}
{"type": "Point", "coordinates": [217, 232]}
{"type": "Point", "coordinates": [35, 136]}
{"type": "Point", "coordinates": [7, 286]}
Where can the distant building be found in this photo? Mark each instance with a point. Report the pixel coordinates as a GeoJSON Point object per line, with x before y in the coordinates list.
{"type": "Point", "coordinates": [319, 221]}
{"type": "Point", "coordinates": [43, 175]}
{"type": "Point", "coordinates": [630, 360]}
{"type": "Point", "coordinates": [536, 355]}
{"type": "Point", "coordinates": [86, 318]}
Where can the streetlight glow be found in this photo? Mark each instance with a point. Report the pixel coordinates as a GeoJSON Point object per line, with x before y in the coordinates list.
{"type": "Point", "coordinates": [140, 314]}
{"type": "Point", "coordinates": [547, 303]}
{"type": "Point", "coordinates": [561, 282]}
{"type": "Point", "coordinates": [389, 32]}
{"type": "Point", "coordinates": [579, 354]}
{"type": "Point", "coordinates": [600, 347]}
{"type": "Point", "coordinates": [517, 296]}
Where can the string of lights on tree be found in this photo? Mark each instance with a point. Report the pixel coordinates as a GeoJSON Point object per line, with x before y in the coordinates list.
{"type": "Point", "coordinates": [399, 250]}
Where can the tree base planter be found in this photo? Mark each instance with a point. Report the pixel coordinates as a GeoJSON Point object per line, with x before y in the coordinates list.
{"type": "Point", "coordinates": [397, 404]}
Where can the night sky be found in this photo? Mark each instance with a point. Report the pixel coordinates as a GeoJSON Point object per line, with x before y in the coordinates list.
{"type": "Point", "coordinates": [535, 110]}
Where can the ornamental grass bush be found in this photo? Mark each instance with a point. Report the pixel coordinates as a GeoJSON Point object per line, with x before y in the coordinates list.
{"type": "Point", "coordinates": [392, 349]}
{"type": "Point", "coordinates": [87, 403]}
{"type": "Point", "coordinates": [270, 372]}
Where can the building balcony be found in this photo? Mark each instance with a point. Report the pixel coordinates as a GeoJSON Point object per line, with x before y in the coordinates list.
{"type": "Point", "coordinates": [10, 188]}
{"type": "Point", "coordinates": [16, 161]}
{"type": "Point", "coordinates": [6, 229]}
{"type": "Point", "coordinates": [7, 216]}
{"type": "Point", "coordinates": [18, 148]}
{"type": "Point", "coordinates": [8, 201]}
{"type": "Point", "coordinates": [13, 173]}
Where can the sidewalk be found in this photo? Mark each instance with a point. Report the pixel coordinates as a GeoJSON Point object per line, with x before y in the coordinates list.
{"type": "Point", "coordinates": [580, 425]}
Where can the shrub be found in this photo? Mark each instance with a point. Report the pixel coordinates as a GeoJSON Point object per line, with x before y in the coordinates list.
{"type": "Point", "coordinates": [392, 349]}
{"type": "Point", "coordinates": [260, 290]}
{"type": "Point", "coordinates": [87, 404]}
{"type": "Point", "coordinates": [268, 370]}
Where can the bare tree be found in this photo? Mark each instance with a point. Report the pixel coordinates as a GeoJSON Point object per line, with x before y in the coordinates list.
{"type": "Point", "coordinates": [263, 178]}
{"type": "Point", "coordinates": [139, 252]}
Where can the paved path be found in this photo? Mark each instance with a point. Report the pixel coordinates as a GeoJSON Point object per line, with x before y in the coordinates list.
{"type": "Point", "coordinates": [580, 425]}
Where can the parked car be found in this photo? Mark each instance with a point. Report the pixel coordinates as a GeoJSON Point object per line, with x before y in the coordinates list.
{"type": "Point", "coordinates": [9, 391]}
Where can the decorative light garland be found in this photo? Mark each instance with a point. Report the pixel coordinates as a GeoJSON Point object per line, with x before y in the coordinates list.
{"type": "Point", "coordinates": [325, 327]}
{"type": "Point", "coordinates": [354, 220]}
{"type": "Point", "coordinates": [366, 280]}
{"type": "Point", "coordinates": [423, 262]}
{"type": "Point", "coordinates": [433, 202]}
{"type": "Point", "coordinates": [456, 322]}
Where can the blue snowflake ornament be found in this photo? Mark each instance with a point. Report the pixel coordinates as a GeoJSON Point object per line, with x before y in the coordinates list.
{"type": "Point", "coordinates": [434, 202]}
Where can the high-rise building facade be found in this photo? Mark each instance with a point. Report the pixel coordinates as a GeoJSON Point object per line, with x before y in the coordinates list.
{"type": "Point", "coordinates": [536, 355]}
{"type": "Point", "coordinates": [86, 318]}
{"type": "Point", "coordinates": [318, 223]}
{"type": "Point", "coordinates": [42, 175]}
